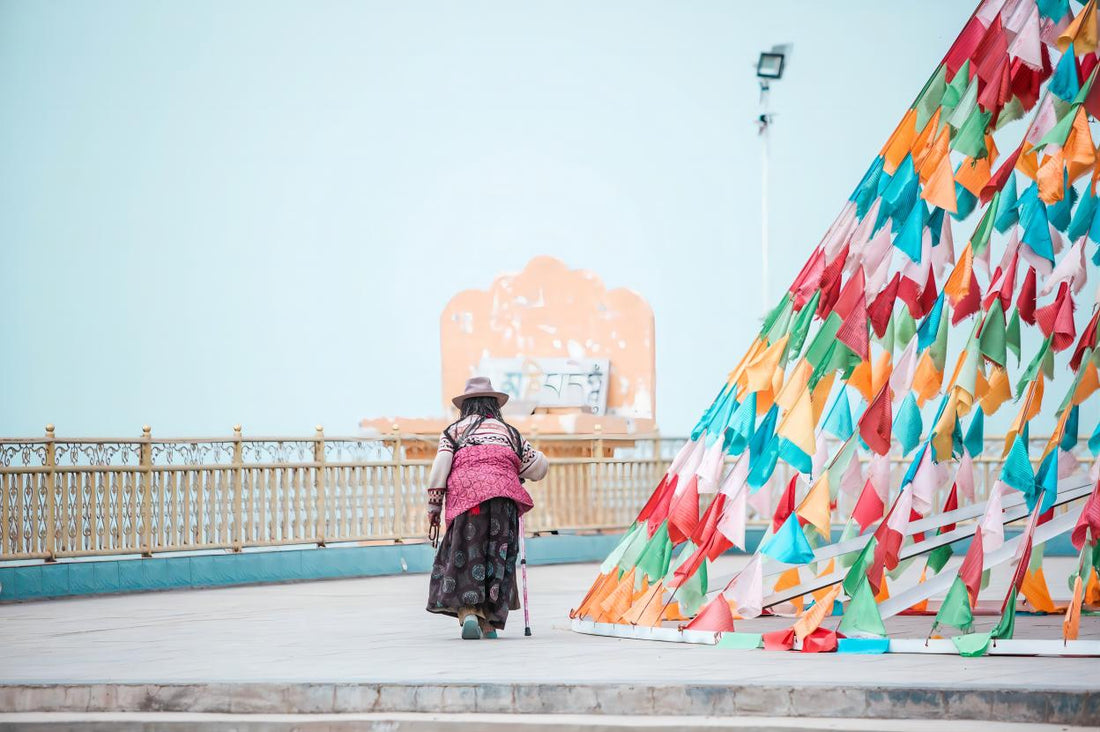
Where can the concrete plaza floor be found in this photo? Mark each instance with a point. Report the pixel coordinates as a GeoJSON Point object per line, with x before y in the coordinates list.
{"type": "Point", "coordinates": [375, 631]}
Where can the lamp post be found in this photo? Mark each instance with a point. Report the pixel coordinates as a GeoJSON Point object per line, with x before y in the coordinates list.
{"type": "Point", "coordinates": [769, 68]}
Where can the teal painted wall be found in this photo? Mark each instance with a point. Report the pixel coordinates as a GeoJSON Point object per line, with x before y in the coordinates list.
{"type": "Point", "coordinates": [109, 576]}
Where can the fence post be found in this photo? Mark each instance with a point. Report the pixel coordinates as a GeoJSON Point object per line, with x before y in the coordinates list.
{"type": "Point", "coordinates": [398, 488]}
{"type": "Point", "coordinates": [596, 492]}
{"type": "Point", "coordinates": [146, 473]}
{"type": "Point", "coordinates": [319, 483]}
{"type": "Point", "coordinates": [51, 496]}
{"type": "Point", "coordinates": [238, 489]}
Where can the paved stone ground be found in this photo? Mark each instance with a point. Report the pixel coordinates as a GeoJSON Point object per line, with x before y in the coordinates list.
{"type": "Point", "coordinates": [376, 630]}
{"type": "Point", "coordinates": [351, 645]}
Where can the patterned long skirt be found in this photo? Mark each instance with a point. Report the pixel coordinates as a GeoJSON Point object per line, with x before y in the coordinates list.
{"type": "Point", "coordinates": [475, 567]}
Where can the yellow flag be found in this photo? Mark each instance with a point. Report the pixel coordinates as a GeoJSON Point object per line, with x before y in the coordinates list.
{"type": "Point", "coordinates": [795, 384]}
{"type": "Point", "coordinates": [761, 369]}
{"type": "Point", "coordinates": [999, 391]}
{"type": "Point", "coordinates": [798, 424]}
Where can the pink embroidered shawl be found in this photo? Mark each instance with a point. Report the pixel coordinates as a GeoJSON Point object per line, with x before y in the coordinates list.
{"type": "Point", "coordinates": [481, 472]}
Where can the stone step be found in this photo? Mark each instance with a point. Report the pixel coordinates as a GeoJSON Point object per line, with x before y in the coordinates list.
{"type": "Point", "coordinates": [1074, 706]}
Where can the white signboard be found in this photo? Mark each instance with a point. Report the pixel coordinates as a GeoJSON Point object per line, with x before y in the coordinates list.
{"type": "Point", "coordinates": [551, 382]}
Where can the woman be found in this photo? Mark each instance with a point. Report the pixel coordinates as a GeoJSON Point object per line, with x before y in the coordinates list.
{"type": "Point", "coordinates": [481, 463]}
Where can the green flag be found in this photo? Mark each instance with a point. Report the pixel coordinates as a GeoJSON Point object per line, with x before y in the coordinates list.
{"type": "Point", "coordinates": [780, 321]}
{"type": "Point", "coordinates": [972, 644]}
{"type": "Point", "coordinates": [992, 340]}
{"type": "Point", "coordinates": [937, 558]}
{"type": "Point", "coordinates": [955, 610]}
{"type": "Point", "coordinates": [861, 617]}
{"type": "Point", "coordinates": [905, 328]}
{"type": "Point", "coordinates": [616, 555]}
{"type": "Point", "coordinates": [858, 572]}
{"type": "Point", "coordinates": [938, 349]}
{"type": "Point", "coordinates": [1012, 334]}
{"type": "Point", "coordinates": [801, 326]}
{"type": "Point", "coordinates": [656, 555]}
{"type": "Point", "coordinates": [776, 312]}
{"type": "Point", "coordinates": [931, 96]}
{"type": "Point", "coordinates": [851, 531]}
{"type": "Point", "coordinates": [1007, 624]}
{"type": "Point", "coordinates": [826, 336]}
{"type": "Point", "coordinates": [692, 593]}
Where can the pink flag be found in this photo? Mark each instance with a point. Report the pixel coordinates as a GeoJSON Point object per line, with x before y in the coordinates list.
{"type": "Point", "coordinates": [710, 467]}
{"type": "Point", "coordinates": [1042, 265]}
{"type": "Point", "coordinates": [877, 248]}
{"type": "Point", "coordinates": [852, 480]}
{"type": "Point", "coordinates": [964, 478]}
{"type": "Point", "coordinates": [820, 457]}
{"type": "Point", "coordinates": [746, 592]}
{"type": "Point", "coordinates": [686, 465]}
{"type": "Point", "coordinates": [1067, 464]}
{"type": "Point", "coordinates": [731, 524]}
{"type": "Point", "coordinates": [761, 502]}
{"type": "Point", "coordinates": [902, 377]}
{"type": "Point", "coordinates": [924, 485]}
{"type": "Point", "coordinates": [840, 232]}
{"type": "Point", "coordinates": [989, 10]}
{"type": "Point", "coordinates": [993, 531]}
{"type": "Point", "coordinates": [878, 472]}
{"type": "Point", "coordinates": [1043, 121]}
{"type": "Point", "coordinates": [876, 280]}
{"type": "Point", "coordinates": [1026, 46]}
{"type": "Point", "coordinates": [1071, 269]}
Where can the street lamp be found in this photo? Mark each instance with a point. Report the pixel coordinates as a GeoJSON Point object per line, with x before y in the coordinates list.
{"type": "Point", "coordinates": [769, 68]}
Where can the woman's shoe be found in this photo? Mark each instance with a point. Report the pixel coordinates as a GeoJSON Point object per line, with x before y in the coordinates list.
{"type": "Point", "coordinates": [491, 634]}
{"type": "Point", "coordinates": [470, 628]}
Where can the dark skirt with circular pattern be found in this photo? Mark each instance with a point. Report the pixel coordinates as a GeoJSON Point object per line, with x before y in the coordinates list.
{"type": "Point", "coordinates": [475, 566]}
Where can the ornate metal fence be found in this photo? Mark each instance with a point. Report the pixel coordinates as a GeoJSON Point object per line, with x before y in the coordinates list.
{"type": "Point", "coordinates": [66, 497]}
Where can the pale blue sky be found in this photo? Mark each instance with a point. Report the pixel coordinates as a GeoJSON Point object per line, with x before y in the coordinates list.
{"type": "Point", "coordinates": [215, 212]}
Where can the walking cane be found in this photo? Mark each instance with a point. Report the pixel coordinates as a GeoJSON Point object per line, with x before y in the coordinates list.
{"type": "Point", "coordinates": [523, 574]}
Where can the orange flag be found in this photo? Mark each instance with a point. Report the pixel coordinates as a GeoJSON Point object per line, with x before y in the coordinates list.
{"type": "Point", "coordinates": [820, 395]}
{"type": "Point", "coordinates": [619, 600]}
{"type": "Point", "coordinates": [794, 385]}
{"type": "Point", "coordinates": [815, 506]}
{"type": "Point", "coordinates": [1090, 382]}
{"type": "Point", "coordinates": [786, 581]}
{"type": "Point", "coordinates": [1079, 153]}
{"type": "Point", "coordinates": [926, 379]}
{"type": "Point", "coordinates": [999, 392]}
{"type": "Point", "coordinates": [593, 591]}
{"type": "Point", "coordinates": [940, 188]}
{"type": "Point", "coordinates": [1081, 32]}
{"type": "Point", "coordinates": [1034, 588]}
{"type": "Point", "coordinates": [811, 619]}
{"type": "Point", "coordinates": [922, 143]}
{"type": "Point", "coordinates": [1052, 184]}
{"type": "Point", "coordinates": [1028, 162]}
{"type": "Point", "coordinates": [860, 380]}
{"type": "Point", "coordinates": [646, 610]}
{"type": "Point", "coordinates": [974, 174]}
{"type": "Point", "coordinates": [1072, 624]}
{"type": "Point", "coordinates": [958, 284]}
{"type": "Point", "coordinates": [933, 157]}
{"type": "Point", "coordinates": [897, 147]}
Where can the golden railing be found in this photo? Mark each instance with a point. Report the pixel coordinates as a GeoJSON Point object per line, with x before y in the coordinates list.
{"type": "Point", "coordinates": [66, 497]}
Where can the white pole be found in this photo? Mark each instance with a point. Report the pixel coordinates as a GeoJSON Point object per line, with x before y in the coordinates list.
{"type": "Point", "coordinates": [764, 132]}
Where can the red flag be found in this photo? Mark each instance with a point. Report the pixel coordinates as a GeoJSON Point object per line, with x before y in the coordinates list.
{"type": "Point", "coordinates": [779, 640]}
{"type": "Point", "coordinates": [964, 46]}
{"type": "Point", "coordinates": [688, 568]}
{"type": "Point", "coordinates": [883, 305]}
{"type": "Point", "coordinates": [1025, 303]}
{"type": "Point", "coordinates": [1027, 82]}
{"type": "Point", "coordinates": [970, 303]}
{"type": "Point", "coordinates": [1087, 340]}
{"type": "Point", "coordinates": [970, 571]}
{"type": "Point", "coordinates": [951, 504]}
{"type": "Point", "coordinates": [715, 616]}
{"type": "Point", "coordinates": [707, 524]}
{"type": "Point", "coordinates": [1056, 319]}
{"type": "Point", "coordinates": [869, 508]}
{"type": "Point", "coordinates": [1088, 522]}
{"type": "Point", "coordinates": [853, 331]}
{"type": "Point", "coordinates": [821, 640]}
{"type": "Point", "coordinates": [1000, 177]}
{"type": "Point", "coordinates": [830, 283]}
{"type": "Point", "coordinates": [991, 51]}
{"type": "Point", "coordinates": [659, 512]}
{"type": "Point", "coordinates": [808, 279]}
{"type": "Point", "coordinates": [655, 497]}
{"type": "Point", "coordinates": [683, 517]}
{"type": "Point", "coordinates": [786, 505]}
{"type": "Point", "coordinates": [852, 294]}
{"type": "Point", "coordinates": [874, 423]}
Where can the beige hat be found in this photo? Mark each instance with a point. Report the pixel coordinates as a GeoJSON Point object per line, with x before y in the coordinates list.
{"type": "Point", "coordinates": [479, 386]}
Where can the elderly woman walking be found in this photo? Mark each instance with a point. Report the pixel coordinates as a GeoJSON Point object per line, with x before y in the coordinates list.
{"type": "Point", "coordinates": [479, 469]}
